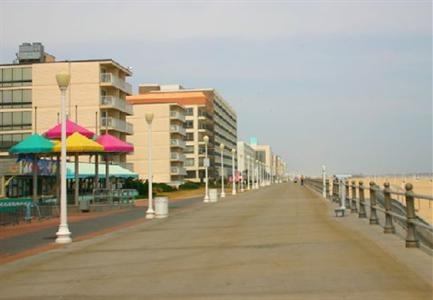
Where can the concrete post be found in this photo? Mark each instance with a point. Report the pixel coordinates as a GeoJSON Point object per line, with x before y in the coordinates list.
{"type": "Point", "coordinates": [342, 195]}
{"type": "Point", "coordinates": [373, 215]}
{"type": "Point", "coordinates": [353, 207]}
{"type": "Point", "coordinates": [347, 198]}
{"type": "Point", "coordinates": [337, 191]}
{"type": "Point", "coordinates": [327, 187]}
{"type": "Point", "coordinates": [411, 239]}
{"type": "Point", "coordinates": [389, 226]}
{"type": "Point", "coordinates": [362, 213]}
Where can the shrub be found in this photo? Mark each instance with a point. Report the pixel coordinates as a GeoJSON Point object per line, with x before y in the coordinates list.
{"type": "Point", "coordinates": [163, 188]}
{"type": "Point", "coordinates": [189, 186]}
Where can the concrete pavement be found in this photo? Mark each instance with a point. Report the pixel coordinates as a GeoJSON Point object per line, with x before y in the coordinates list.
{"type": "Point", "coordinates": [281, 242]}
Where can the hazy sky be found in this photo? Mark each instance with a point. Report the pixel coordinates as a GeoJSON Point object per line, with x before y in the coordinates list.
{"type": "Point", "coordinates": [342, 83]}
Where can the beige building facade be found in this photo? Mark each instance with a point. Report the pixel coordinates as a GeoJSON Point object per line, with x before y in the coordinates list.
{"type": "Point", "coordinates": [168, 142]}
{"type": "Point", "coordinates": [30, 101]}
{"type": "Point", "coordinates": [207, 113]}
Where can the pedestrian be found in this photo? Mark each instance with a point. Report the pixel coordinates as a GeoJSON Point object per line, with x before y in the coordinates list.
{"type": "Point", "coordinates": [302, 180]}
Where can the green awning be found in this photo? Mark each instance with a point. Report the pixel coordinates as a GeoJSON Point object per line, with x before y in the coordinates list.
{"type": "Point", "coordinates": [32, 144]}
{"type": "Point", "coordinates": [87, 170]}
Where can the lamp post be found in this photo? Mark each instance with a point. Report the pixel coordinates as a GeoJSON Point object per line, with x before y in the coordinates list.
{"type": "Point", "coordinates": [223, 194]}
{"type": "Point", "coordinates": [248, 172]}
{"type": "Point", "coordinates": [233, 172]}
{"type": "Point", "coordinates": [256, 172]}
{"type": "Point", "coordinates": [63, 234]}
{"type": "Point", "coordinates": [150, 213]}
{"type": "Point", "coordinates": [242, 172]}
{"type": "Point", "coordinates": [206, 165]}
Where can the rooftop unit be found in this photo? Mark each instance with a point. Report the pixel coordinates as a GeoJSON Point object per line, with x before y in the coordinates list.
{"type": "Point", "coordinates": [32, 53]}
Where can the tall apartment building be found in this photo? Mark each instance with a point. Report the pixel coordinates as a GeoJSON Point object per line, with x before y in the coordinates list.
{"type": "Point", "coordinates": [207, 113]}
{"type": "Point", "coordinates": [168, 142]}
{"type": "Point", "coordinates": [30, 98]}
{"type": "Point", "coordinates": [245, 154]}
{"type": "Point", "coordinates": [264, 154]}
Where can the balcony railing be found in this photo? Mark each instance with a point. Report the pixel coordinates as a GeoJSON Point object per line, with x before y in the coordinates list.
{"type": "Point", "coordinates": [177, 115]}
{"type": "Point", "coordinates": [177, 143]}
{"type": "Point", "coordinates": [117, 82]}
{"type": "Point", "coordinates": [177, 129]}
{"type": "Point", "coordinates": [125, 165]}
{"type": "Point", "coordinates": [116, 124]}
{"type": "Point", "coordinates": [116, 103]}
{"type": "Point", "coordinates": [178, 171]}
{"type": "Point", "coordinates": [177, 156]}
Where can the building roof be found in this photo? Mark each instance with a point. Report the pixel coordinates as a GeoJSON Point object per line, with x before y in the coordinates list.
{"type": "Point", "coordinates": [108, 60]}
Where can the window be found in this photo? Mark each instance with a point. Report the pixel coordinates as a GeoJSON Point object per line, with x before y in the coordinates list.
{"type": "Point", "coordinates": [189, 124]}
{"type": "Point", "coordinates": [15, 76]}
{"type": "Point", "coordinates": [8, 140]}
{"type": "Point", "coordinates": [189, 149]}
{"type": "Point", "coordinates": [190, 136]}
{"type": "Point", "coordinates": [189, 111]}
{"type": "Point", "coordinates": [16, 120]}
{"type": "Point", "coordinates": [16, 98]}
{"type": "Point", "coordinates": [189, 162]}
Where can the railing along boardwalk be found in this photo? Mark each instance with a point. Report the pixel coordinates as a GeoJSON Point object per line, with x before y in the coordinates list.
{"type": "Point", "coordinates": [381, 200]}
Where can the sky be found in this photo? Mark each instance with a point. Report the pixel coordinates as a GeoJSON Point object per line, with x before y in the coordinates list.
{"type": "Point", "coordinates": [346, 84]}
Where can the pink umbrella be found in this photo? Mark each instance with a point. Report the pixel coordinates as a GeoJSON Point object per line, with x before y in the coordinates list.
{"type": "Point", "coordinates": [113, 144]}
{"type": "Point", "coordinates": [71, 127]}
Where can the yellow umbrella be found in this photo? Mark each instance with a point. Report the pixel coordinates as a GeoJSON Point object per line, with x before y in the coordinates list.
{"type": "Point", "coordinates": [79, 143]}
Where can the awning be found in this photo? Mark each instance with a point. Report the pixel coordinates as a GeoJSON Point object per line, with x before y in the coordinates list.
{"type": "Point", "coordinates": [113, 144]}
{"type": "Point", "coordinates": [71, 128]}
{"type": "Point", "coordinates": [33, 144]}
{"type": "Point", "coordinates": [79, 143]}
{"type": "Point", "coordinates": [87, 170]}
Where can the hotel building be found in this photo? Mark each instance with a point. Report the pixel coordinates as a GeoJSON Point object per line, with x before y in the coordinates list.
{"type": "Point", "coordinates": [168, 142]}
{"type": "Point", "coordinates": [245, 154]}
{"type": "Point", "coordinates": [207, 113]}
{"type": "Point", "coordinates": [30, 99]}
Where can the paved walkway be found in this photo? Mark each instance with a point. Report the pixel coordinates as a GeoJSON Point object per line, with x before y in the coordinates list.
{"type": "Point", "coordinates": [281, 242]}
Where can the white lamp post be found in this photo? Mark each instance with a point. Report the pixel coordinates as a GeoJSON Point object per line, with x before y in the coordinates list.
{"type": "Point", "coordinates": [206, 165]}
{"type": "Point", "coordinates": [63, 234]}
{"type": "Point", "coordinates": [233, 172]}
{"type": "Point", "coordinates": [242, 172]}
{"type": "Point", "coordinates": [223, 194]}
{"type": "Point", "coordinates": [248, 172]}
{"type": "Point", "coordinates": [150, 213]}
{"type": "Point", "coordinates": [256, 173]}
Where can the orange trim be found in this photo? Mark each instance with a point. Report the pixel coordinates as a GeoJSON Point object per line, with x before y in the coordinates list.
{"type": "Point", "coordinates": [184, 98]}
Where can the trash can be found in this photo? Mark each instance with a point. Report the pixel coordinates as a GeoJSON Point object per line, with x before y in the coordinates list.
{"type": "Point", "coordinates": [161, 207]}
{"type": "Point", "coordinates": [213, 195]}
{"type": "Point", "coordinates": [84, 205]}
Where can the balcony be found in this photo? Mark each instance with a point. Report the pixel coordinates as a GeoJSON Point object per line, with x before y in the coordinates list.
{"type": "Point", "coordinates": [111, 79]}
{"type": "Point", "coordinates": [175, 156]}
{"type": "Point", "coordinates": [177, 143]}
{"type": "Point", "coordinates": [116, 103]}
{"type": "Point", "coordinates": [177, 129]}
{"type": "Point", "coordinates": [175, 115]}
{"type": "Point", "coordinates": [116, 124]}
{"type": "Point", "coordinates": [178, 171]}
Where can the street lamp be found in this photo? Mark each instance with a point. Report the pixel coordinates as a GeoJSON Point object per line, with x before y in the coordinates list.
{"type": "Point", "coordinates": [256, 173]}
{"type": "Point", "coordinates": [223, 194]}
{"type": "Point", "coordinates": [248, 172]}
{"type": "Point", "coordinates": [63, 234]}
{"type": "Point", "coordinates": [233, 172]}
{"type": "Point", "coordinates": [206, 165]}
{"type": "Point", "coordinates": [242, 172]}
{"type": "Point", "coordinates": [324, 181]}
{"type": "Point", "coordinates": [150, 214]}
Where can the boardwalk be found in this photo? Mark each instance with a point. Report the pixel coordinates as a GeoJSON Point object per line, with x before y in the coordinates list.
{"type": "Point", "coordinates": [281, 242]}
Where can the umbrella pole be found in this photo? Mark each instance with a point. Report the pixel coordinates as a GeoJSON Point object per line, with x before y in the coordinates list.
{"type": "Point", "coordinates": [77, 184]}
{"type": "Point", "coordinates": [107, 173]}
{"type": "Point", "coordinates": [96, 184]}
{"type": "Point", "coordinates": [35, 178]}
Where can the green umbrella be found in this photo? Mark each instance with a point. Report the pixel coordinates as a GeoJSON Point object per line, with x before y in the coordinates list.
{"type": "Point", "coordinates": [33, 144]}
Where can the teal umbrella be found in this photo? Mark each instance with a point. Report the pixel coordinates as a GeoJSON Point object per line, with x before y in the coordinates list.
{"type": "Point", "coordinates": [33, 144]}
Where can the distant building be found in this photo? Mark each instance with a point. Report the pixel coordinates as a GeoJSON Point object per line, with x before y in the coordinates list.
{"type": "Point", "coordinates": [207, 113]}
{"type": "Point", "coordinates": [246, 154]}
